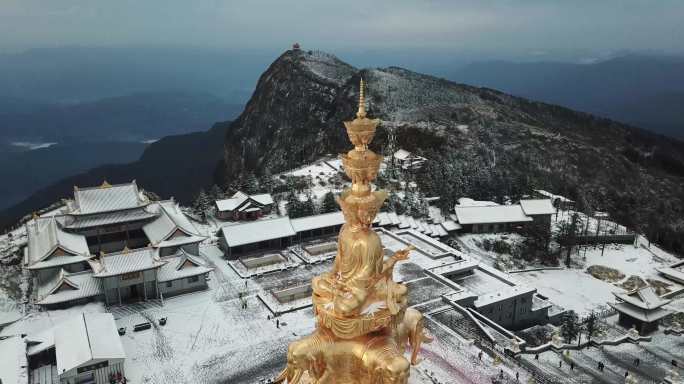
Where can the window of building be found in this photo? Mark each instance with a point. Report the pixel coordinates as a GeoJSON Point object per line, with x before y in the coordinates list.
{"type": "Point", "coordinates": [193, 279]}
{"type": "Point", "coordinates": [169, 284]}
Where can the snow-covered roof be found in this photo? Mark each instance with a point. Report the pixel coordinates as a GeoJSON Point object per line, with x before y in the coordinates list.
{"type": "Point", "coordinates": [307, 223]}
{"type": "Point", "coordinates": [13, 366]}
{"type": "Point", "coordinates": [170, 222]}
{"type": "Point", "coordinates": [674, 272]}
{"type": "Point", "coordinates": [402, 154]}
{"type": "Point", "coordinates": [239, 198]}
{"type": "Point", "coordinates": [553, 196]}
{"type": "Point", "coordinates": [644, 298]}
{"type": "Point", "coordinates": [450, 225]}
{"type": "Point", "coordinates": [537, 207]}
{"type": "Point", "coordinates": [491, 214]}
{"type": "Point", "coordinates": [228, 204]}
{"type": "Point", "coordinates": [65, 286]}
{"type": "Point", "coordinates": [105, 218]}
{"type": "Point", "coordinates": [256, 231]}
{"type": "Point", "coordinates": [40, 341]}
{"type": "Point", "coordinates": [468, 202]}
{"type": "Point", "coordinates": [107, 198]}
{"type": "Point", "coordinates": [46, 236]}
{"type": "Point", "coordinates": [262, 198]}
{"type": "Point", "coordinates": [181, 266]}
{"type": "Point", "coordinates": [493, 297]}
{"type": "Point", "coordinates": [640, 313]}
{"type": "Point", "coordinates": [126, 261]}
{"type": "Point", "coordinates": [87, 337]}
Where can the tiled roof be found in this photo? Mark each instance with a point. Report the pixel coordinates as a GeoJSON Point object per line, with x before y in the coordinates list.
{"type": "Point", "coordinates": [170, 219]}
{"type": "Point", "coordinates": [83, 286]}
{"type": "Point", "coordinates": [115, 217]}
{"type": "Point", "coordinates": [307, 223]}
{"type": "Point", "coordinates": [107, 198]}
{"type": "Point", "coordinates": [239, 198]}
{"type": "Point", "coordinates": [644, 298]}
{"type": "Point", "coordinates": [256, 231]}
{"type": "Point", "coordinates": [491, 214]}
{"type": "Point", "coordinates": [46, 235]}
{"type": "Point", "coordinates": [126, 261]}
{"type": "Point", "coordinates": [174, 268]}
{"type": "Point", "coordinates": [537, 207]}
{"type": "Point", "coordinates": [59, 261]}
{"type": "Point", "coordinates": [640, 313]}
{"type": "Point", "coordinates": [87, 337]}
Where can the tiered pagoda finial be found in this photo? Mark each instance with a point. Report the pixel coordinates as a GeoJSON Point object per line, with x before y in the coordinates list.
{"type": "Point", "coordinates": [363, 323]}
{"type": "Point", "coordinates": [362, 100]}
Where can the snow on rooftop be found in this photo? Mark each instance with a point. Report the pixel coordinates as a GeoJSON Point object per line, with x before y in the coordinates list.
{"type": "Point", "coordinates": [107, 198]}
{"type": "Point", "coordinates": [86, 337]}
{"type": "Point", "coordinates": [181, 266]}
{"type": "Point", "coordinates": [256, 231]}
{"type": "Point", "coordinates": [81, 285]}
{"type": "Point", "coordinates": [240, 198]}
{"type": "Point", "coordinates": [537, 207]}
{"type": "Point", "coordinates": [553, 196]}
{"type": "Point", "coordinates": [491, 214]}
{"type": "Point", "coordinates": [468, 202]}
{"type": "Point", "coordinates": [46, 235]}
{"type": "Point", "coordinates": [644, 298]}
{"type": "Point", "coordinates": [126, 261]}
{"type": "Point", "coordinates": [170, 220]}
{"type": "Point", "coordinates": [13, 365]}
{"type": "Point", "coordinates": [307, 223]}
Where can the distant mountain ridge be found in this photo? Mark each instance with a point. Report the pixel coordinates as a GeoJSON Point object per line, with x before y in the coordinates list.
{"type": "Point", "coordinates": [74, 74]}
{"type": "Point", "coordinates": [643, 90]}
{"type": "Point", "coordinates": [28, 171]}
{"type": "Point", "coordinates": [133, 117]}
{"type": "Point", "coordinates": [173, 166]}
{"type": "Point", "coordinates": [479, 142]}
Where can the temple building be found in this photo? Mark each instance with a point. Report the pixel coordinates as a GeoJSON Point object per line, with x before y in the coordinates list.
{"type": "Point", "coordinates": [490, 217]}
{"type": "Point", "coordinates": [109, 216]}
{"type": "Point", "coordinates": [640, 308]}
{"type": "Point", "coordinates": [113, 244]}
{"type": "Point", "coordinates": [407, 160]}
{"type": "Point", "coordinates": [242, 206]}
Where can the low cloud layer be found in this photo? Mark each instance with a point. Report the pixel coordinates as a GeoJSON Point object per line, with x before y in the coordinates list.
{"type": "Point", "coordinates": [583, 29]}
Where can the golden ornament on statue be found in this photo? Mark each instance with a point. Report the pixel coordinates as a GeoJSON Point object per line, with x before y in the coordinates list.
{"type": "Point", "coordinates": [363, 324]}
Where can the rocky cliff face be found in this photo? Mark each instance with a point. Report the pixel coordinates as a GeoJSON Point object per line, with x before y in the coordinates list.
{"type": "Point", "coordinates": [506, 144]}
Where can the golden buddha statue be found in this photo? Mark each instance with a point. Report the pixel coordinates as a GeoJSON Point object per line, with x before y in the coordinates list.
{"type": "Point", "coordinates": [363, 323]}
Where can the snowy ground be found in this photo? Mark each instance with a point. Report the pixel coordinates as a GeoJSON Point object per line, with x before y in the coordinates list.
{"type": "Point", "coordinates": [320, 174]}
{"type": "Point", "coordinates": [575, 289]}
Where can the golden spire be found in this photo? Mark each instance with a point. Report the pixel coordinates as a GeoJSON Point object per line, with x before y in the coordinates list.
{"type": "Point", "coordinates": [105, 184]}
{"type": "Point", "coordinates": [362, 101]}
{"type": "Point", "coordinates": [363, 319]}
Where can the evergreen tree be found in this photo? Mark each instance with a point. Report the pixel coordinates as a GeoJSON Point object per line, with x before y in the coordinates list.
{"type": "Point", "coordinates": [267, 183]}
{"type": "Point", "coordinates": [329, 204]}
{"type": "Point", "coordinates": [216, 193]}
{"type": "Point", "coordinates": [252, 184]}
{"type": "Point", "coordinates": [294, 206]}
{"type": "Point", "coordinates": [308, 207]}
{"type": "Point", "coordinates": [591, 325]}
{"type": "Point", "coordinates": [570, 326]}
{"type": "Point", "coordinates": [202, 204]}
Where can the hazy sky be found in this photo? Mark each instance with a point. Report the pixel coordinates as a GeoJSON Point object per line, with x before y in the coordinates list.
{"type": "Point", "coordinates": [541, 29]}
